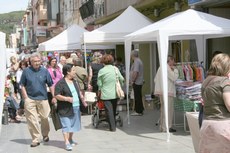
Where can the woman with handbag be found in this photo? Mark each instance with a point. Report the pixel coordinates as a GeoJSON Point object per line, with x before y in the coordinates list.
{"type": "Point", "coordinates": [106, 81]}
{"type": "Point", "coordinates": [69, 100]}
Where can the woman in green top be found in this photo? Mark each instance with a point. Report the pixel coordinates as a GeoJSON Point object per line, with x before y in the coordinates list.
{"type": "Point", "coordinates": [107, 88]}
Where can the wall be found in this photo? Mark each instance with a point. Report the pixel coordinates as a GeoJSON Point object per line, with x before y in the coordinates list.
{"type": "Point", "coordinates": [144, 53]}
{"type": "Point", "coordinates": [71, 13]}
{"type": "Point", "coordinates": [120, 52]}
{"type": "Point", "coordinates": [221, 44]}
{"type": "Point", "coordinates": [112, 6]}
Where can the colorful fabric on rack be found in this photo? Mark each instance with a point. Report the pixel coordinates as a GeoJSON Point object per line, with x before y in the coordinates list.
{"type": "Point", "coordinates": [181, 73]}
{"type": "Point", "coordinates": [191, 72]}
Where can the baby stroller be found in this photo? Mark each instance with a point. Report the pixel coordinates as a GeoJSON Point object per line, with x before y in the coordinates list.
{"type": "Point", "coordinates": [99, 115]}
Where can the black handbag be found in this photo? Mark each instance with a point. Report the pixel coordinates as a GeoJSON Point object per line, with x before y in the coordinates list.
{"type": "Point", "coordinates": [83, 109]}
{"type": "Point", "coordinates": [55, 118]}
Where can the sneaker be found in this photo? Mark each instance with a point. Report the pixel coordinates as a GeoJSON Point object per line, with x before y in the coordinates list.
{"type": "Point", "coordinates": [68, 147]}
{"type": "Point", "coordinates": [136, 114]}
{"type": "Point", "coordinates": [72, 143]}
{"type": "Point", "coordinates": [171, 130]}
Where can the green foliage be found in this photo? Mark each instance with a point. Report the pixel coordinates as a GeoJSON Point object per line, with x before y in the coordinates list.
{"type": "Point", "coordinates": [9, 20]}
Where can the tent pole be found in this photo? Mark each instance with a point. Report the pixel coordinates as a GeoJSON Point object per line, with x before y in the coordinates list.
{"type": "Point", "coordinates": [162, 42]}
{"type": "Point", "coordinates": [127, 65]}
{"type": "Point", "coordinates": [86, 66]}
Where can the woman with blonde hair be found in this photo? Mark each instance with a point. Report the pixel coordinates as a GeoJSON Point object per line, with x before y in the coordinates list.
{"type": "Point", "coordinates": [215, 129]}
{"type": "Point", "coordinates": [94, 68]}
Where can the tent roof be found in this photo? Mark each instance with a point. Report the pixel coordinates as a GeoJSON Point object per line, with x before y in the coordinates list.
{"type": "Point", "coordinates": [185, 25]}
{"type": "Point", "coordinates": [66, 40]}
{"type": "Point", "coordinates": [127, 22]}
{"type": "Point", "coordinates": [69, 39]}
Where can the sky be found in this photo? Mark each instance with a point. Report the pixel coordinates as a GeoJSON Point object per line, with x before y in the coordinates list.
{"type": "Point", "coordinates": [7, 6]}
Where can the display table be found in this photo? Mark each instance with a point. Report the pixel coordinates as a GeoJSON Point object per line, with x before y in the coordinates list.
{"type": "Point", "coordinates": [184, 105]}
{"type": "Point", "coordinates": [193, 124]}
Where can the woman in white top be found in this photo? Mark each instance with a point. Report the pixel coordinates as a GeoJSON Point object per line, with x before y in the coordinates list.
{"type": "Point", "coordinates": [172, 77]}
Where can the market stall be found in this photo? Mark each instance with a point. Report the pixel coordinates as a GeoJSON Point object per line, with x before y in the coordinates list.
{"type": "Point", "coordinates": [187, 25]}
{"type": "Point", "coordinates": [115, 31]}
{"type": "Point", "coordinates": [69, 39]}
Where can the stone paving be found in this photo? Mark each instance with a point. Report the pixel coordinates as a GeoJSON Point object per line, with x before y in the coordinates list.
{"type": "Point", "coordinates": [140, 136]}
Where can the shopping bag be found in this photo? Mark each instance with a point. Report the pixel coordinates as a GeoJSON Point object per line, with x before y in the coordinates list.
{"type": "Point", "coordinates": [90, 96]}
{"type": "Point", "coordinates": [55, 118]}
{"type": "Point", "coordinates": [119, 91]}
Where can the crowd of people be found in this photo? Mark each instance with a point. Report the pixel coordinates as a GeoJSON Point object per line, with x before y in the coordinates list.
{"type": "Point", "coordinates": [34, 86]}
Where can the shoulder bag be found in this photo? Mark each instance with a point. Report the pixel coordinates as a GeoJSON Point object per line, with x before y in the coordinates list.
{"type": "Point", "coordinates": [85, 84]}
{"type": "Point", "coordinates": [119, 91]}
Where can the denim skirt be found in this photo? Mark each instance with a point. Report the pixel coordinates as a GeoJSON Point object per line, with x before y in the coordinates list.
{"type": "Point", "coordinates": [72, 123]}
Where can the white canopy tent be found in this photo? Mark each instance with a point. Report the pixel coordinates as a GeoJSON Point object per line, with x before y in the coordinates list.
{"type": "Point", "coordinates": [69, 39]}
{"type": "Point", "coordinates": [3, 72]}
{"type": "Point", "coordinates": [115, 31]}
{"type": "Point", "coordinates": [186, 25]}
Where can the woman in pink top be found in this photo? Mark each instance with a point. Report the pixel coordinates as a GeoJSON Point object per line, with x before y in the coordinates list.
{"type": "Point", "coordinates": [55, 73]}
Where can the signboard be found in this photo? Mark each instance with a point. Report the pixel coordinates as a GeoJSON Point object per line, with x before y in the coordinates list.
{"type": "Point", "coordinates": [41, 31]}
{"type": "Point", "coordinates": [191, 2]}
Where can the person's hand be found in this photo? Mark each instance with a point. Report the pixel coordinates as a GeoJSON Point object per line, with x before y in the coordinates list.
{"type": "Point", "coordinates": [85, 103]}
{"type": "Point", "coordinates": [54, 100]}
{"type": "Point", "coordinates": [172, 67]}
{"type": "Point", "coordinates": [90, 87]}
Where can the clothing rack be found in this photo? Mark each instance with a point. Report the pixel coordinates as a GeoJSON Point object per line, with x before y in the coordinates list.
{"type": "Point", "coordinates": [191, 71]}
{"type": "Point", "coordinates": [185, 63]}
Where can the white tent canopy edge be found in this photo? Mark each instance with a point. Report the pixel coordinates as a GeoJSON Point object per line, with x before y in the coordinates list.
{"type": "Point", "coordinates": [69, 39]}
{"type": "Point", "coordinates": [3, 72]}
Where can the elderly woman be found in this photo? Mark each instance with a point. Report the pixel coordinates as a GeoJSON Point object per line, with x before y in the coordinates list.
{"type": "Point", "coordinates": [107, 86]}
{"type": "Point", "coordinates": [69, 98]}
{"type": "Point", "coordinates": [215, 129]}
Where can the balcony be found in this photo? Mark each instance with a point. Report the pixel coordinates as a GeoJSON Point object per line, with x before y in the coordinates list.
{"type": "Point", "coordinates": [59, 19]}
{"type": "Point", "coordinates": [42, 15]}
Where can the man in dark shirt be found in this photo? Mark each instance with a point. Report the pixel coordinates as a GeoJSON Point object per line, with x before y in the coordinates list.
{"type": "Point", "coordinates": [34, 82]}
